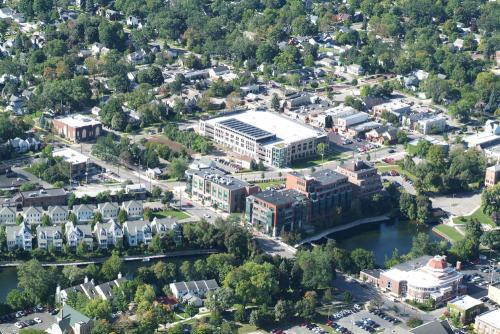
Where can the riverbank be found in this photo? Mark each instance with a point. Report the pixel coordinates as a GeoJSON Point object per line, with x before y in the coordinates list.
{"type": "Point", "coordinates": [359, 222]}
{"type": "Point", "coordinates": [131, 258]}
{"type": "Point", "coordinates": [448, 233]}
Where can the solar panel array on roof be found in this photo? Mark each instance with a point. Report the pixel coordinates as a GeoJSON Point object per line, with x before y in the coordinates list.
{"type": "Point", "coordinates": [246, 129]}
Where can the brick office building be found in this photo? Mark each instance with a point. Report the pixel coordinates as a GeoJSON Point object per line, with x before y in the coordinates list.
{"type": "Point", "coordinates": [326, 190]}
{"type": "Point", "coordinates": [363, 177]}
{"type": "Point", "coordinates": [77, 127]}
{"type": "Point", "coordinates": [492, 176]}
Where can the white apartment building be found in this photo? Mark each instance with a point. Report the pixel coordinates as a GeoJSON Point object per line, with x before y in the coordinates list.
{"type": "Point", "coordinates": [19, 237]}
{"type": "Point", "coordinates": [49, 235]}
{"type": "Point", "coordinates": [7, 216]}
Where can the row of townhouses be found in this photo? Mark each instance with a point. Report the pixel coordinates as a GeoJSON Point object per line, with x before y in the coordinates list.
{"type": "Point", "coordinates": [84, 212]}
{"type": "Point", "coordinates": [103, 235]}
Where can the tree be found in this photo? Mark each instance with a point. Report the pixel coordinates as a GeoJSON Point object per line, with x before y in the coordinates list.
{"type": "Point", "coordinates": [317, 267]}
{"type": "Point", "coordinates": [321, 149]}
{"type": "Point", "coordinates": [253, 282]}
{"type": "Point", "coordinates": [17, 299]}
{"type": "Point", "coordinates": [220, 300]}
{"type": "Point", "coordinates": [408, 206]}
{"type": "Point", "coordinates": [156, 192]}
{"type": "Point", "coordinates": [45, 220]}
{"type": "Point", "coordinates": [491, 239]}
{"type": "Point", "coordinates": [490, 199]}
{"type": "Point", "coordinates": [259, 317]}
{"type": "Point", "coordinates": [112, 267]}
{"type": "Point", "coordinates": [363, 259]}
{"type": "Point", "coordinates": [283, 310]}
{"type": "Point", "coordinates": [306, 307]}
{"type": "Point", "coordinates": [36, 282]}
{"type": "Point", "coordinates": [177, 168]}
{"type": "Point", "coordinates": [122, 216]}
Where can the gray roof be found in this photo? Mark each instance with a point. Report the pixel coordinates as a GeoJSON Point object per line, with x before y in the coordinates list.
{"type": "Point", "coordinates": [279, 197]}
{"type": "Point", "coordinates": [413, 264]}
{"type": "Point", "coordinates": [83, 207]}
{"type": "Point", "coordinates": [324, 176]}
{"type": "Point", "coordinates": [135, 225]}
{"type": "Point", "coordinates": [105, 205]}
{"type": "Point", "coordinates": [219, 177]}
{"type": "Point", "coordinates": [48, 230]}
{"type": "Point", "coordinates": [434, 327]}
{"type": "Point", "coordinates": [44, 192]}
{"type": "Point", "coordinates": [68, 317]}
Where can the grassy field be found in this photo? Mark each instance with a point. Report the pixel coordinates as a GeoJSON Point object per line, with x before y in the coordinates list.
{"type": "Point", "coordinates": [247, 328]}
{"type": "Point", "coordinates": [479, 215]}
{"type": "Point", "coordinates": [450, 232]}
{"type": "Point", "coordinates": [383, 167]}
{"type": "Point", "coordinates": [264, 185]}
{"type": "Point", "coordinates": [172, 213]}
{"type": "Point", "coordinates": [336, 155]}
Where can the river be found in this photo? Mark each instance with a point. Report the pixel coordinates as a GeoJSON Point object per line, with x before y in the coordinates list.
{"type": "Point", "coordinates": [8, 275]}
{"type": "Point", "coordinates": [382, 238]}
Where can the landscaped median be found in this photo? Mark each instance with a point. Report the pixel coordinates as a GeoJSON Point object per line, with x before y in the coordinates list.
{"type": "Point", "coordinates": [448, 232]}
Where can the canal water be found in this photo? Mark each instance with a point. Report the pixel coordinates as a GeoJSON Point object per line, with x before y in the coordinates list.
{"type": "Point", "coordinates": [8, 276]}
{"type": "Point", "coordinates": [382, 238]}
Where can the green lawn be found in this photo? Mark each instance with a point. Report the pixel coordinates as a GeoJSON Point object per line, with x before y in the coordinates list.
{"type": "Point", "coordinates": [247, 328]}
{"type": "Point", "coordinates": [479, 215]}
{"type": "Point", "coordinates": [172, 213]}
{"type": "Point", "coordinates": [264, 185]}
{"type": "Point", "coordinates": [450, 232]}
{"type": "Point", "coordinates": [316, 161]}
{"type": "Point", "coordinates": [383, 167]}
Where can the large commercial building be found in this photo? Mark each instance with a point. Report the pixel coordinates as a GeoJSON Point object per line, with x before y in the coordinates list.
{"type": "Point", "coordinates": [43, 198]}
{"type": "Point", "coordinates": [307, 199]}
{"type": "Point", "coordinates": [363, 177]}
{"type": "Point", "coordinates": [272, 211]}
{"type": "Point", "coordinates": [326, 190]}
{"type": "Point", "coordinates": [77, 127]}
{"type": "Point", "coordinates": [215, 188]}
{"type": "Point", "coordinates": [436, 280]}
{"type": "Point", "coordinates": [264, 136]}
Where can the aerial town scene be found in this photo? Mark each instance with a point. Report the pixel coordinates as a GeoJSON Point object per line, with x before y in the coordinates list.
{"type": "Point", "coordinates": [250, 166]}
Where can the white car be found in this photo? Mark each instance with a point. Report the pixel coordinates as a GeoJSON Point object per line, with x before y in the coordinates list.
{"type": "Point", "coordinates": [206, 216]}
{"type": "Point", "coordinates": [19, 325]}
{"type": "Point", "coordinates": [38, 320]}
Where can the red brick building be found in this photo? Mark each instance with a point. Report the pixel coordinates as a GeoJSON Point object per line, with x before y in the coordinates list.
{"type": "Point", "coordinates": [492, 176]}
{"type": "Point", "coordinates": [77, 127]}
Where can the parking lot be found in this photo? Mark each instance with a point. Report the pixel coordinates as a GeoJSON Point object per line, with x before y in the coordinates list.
{"type": "Point", "coordinates": [355, 321]}
{"type": "Point", "coordinates": [9, 327]}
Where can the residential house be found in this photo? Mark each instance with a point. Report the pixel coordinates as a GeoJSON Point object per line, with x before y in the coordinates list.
{"type": "Point", "coordinates": [90, 289]}
{"type": "Point", "coordinates": [19, 236]}
{"type": "Point", "coordinates": [134, 209]}
{"type": "Point", "coordinates": [32, 215]}
{"type": "Point", "coordinates": [162, 226]}
{"type": "Point", "coordinates": [79, 233]}
{"type": "Point", "coordinates": [196, 288]}
{"type": "Point", "coordinates": [218, 72]}
{"type": "Point", "coordinates": [83, 212]}
{"type": "Point", "coordinates": [7, 216]}
{"type": "Point", "coordinates": [57, 214]}
{"type": "Point", "coordinates": [49, 235]}
{"type": "Point", "coordinates": [133, 21]}
{"type": "Point", "coordinates": [108, 234]}
{"type": "Point", "coordinates": [108, 210]}
{"type": "Point", "coordinates": [69, 320]}
{"type": "Point", "coordinates": [355, 69]}
{"type": "Point", "coordinates": [137, 232]}
{"type": "Point", "coordinates": [136, 57]}
{"type": "Point", "coordinates": [382, 135]}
